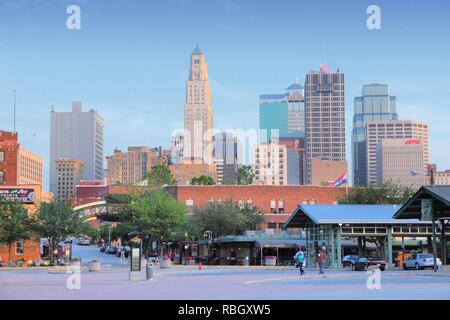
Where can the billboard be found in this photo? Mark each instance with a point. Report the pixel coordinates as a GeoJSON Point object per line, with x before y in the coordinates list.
{"type": "Point", "coordinates": [17, 195]}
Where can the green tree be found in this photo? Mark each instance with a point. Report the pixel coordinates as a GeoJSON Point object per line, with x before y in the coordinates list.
{"type": "Point", "coordinates": [388, 193]}
{"type": "Point", "coordinates": [228, 218]}
{"type": "Point", "coordinates": [203, 180]}
{"type": "Point", "coordinates": [159, 176]}
{"type": "Point", "coordinates": [244, 175]}
{"type": "Point", "coordinates": [15, 225]}
{"type": "Point", "coordinates": [57, 221]}
{"type": "Point", "coordinates": [159, 216]}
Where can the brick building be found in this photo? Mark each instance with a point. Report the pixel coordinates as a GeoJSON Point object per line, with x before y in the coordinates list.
{"type": "Point", "coordinates": [9, 146]}
{"type": "Point", "coordinates": [90, 191]}
{"type": "Point", "coordinates": [30, 196]}
{"type": "Point", "coordinates": [277, 202]}
{"type": "Point", "coordinates": [17, 165]}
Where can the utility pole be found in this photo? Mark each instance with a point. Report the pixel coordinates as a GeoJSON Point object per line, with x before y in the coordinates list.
{"type": "Point", "coordinates": [14, 123]}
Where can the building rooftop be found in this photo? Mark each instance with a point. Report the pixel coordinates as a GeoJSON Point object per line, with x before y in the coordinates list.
{"type": "Point", "coordinates": [295, 86]}
{"type": "Point", "coordinates": [345, 214]}
{"type": "Point", "coordinates": [197, 51]}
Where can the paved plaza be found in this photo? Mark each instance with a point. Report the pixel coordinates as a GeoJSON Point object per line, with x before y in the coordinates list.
{"type": "Point", "coordinates": [187, 282]}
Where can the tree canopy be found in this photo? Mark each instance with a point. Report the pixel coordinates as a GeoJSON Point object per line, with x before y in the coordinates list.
{"type": "Point", "coordinates": [244, 175]}
{"type": "Point", "coordinates": [203, 180]}
{"type": "Point", "coordinates": [15, 224]}
{"type": "Point", "coordinates": [159, 176]}
{"type": "Point", "coordinates": [157, 214]}
{"type": "Point", "coordinates": [227, 218]}
{"type": "Point", "coordinates": [388, 193]}
{"type": "Point", "coordinates": [57, 221]}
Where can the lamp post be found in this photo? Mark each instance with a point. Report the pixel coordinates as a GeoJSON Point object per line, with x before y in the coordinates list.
{"type": "Point", "coordinates": [208, 235]}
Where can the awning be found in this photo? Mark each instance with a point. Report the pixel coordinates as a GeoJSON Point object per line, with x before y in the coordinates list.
{"type": "Point", "coordinates": [273, 243]}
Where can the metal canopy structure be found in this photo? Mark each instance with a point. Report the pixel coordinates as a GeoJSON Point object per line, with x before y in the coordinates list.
{"type": "Point", "coordinates": [430, 203]}
{"type": "Point", "coordinates": [441, 203]}
{"type": "Point", "coordinates": [326, 225]}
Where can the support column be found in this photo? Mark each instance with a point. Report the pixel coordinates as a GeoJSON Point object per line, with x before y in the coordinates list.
{"type": "Point", "coordinates": [339, 247]}
{"type": "Point", "coordinates": [333, 258]}
{"type": "Point", "coordinates": [443, 243]}
{"type": "Point", "coordinates": [434, 242]}
{"type": "Point", "coordinates": [359, 247]}
{"type": "Point", "coordinates": [389, 245]}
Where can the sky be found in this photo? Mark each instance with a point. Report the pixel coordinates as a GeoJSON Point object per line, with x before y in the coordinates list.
{"type": "Point", "coordinates": [130, 61]}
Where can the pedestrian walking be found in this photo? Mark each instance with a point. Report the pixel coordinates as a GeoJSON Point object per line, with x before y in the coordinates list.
{"type": "Point", "coordinates": [301, 262]}
{"type": "Point", "coordinates": [321, 259]}
{"type": "Point", "coordinates": [296, 258]}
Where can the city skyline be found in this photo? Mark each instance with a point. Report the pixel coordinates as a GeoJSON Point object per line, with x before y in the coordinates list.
{"type": "Point", "coordinates": [237, 77]}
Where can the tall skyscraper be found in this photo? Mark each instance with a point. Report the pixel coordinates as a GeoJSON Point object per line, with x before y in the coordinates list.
{"type": "Point", "coordinates": [227, 156]}
{"type": "Point", "coordinates": [389, 129]}
{"type": "Point", "coordinates": [374, 104]}
{"type": "Point", "coordinates": [325, 117]}
{"type": "Point", "coordinates": [198, 116]}
{"type": "Point", "coordinates": [77, 135]}
{"type": "Point", "coordinates": [282, 113]}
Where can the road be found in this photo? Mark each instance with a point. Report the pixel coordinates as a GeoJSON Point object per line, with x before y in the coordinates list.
{"type": "Point", "coordinates": [187, 282]}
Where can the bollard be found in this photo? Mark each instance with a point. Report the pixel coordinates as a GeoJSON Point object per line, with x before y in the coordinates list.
{"type": "Point", "coordinates": [149, 271]}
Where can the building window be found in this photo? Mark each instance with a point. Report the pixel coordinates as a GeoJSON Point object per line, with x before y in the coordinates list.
{"type": "Point", "coordinates": [2, 176]}
{"type": "Point", "coordinates": [272, 225]}
{"type": "Point", "coordinates": [19, 247]}
{"type": "Point", "coordinates": [2, 156]}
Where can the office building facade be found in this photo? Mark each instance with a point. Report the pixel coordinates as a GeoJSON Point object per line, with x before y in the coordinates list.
{"type": "Point", "coordinates": [17, 165]}
{"type": "Point", "coordinates": [77, 135]}
{"type": "Point", "coordinates": [69, 174]}
{"type": "Point", "coordinates": [324, 117]}
{"type": "Point", "coordinates": [401, 162]}
{"type": "Point", "coordinates": [131, 167]}
{"type": "Point", "coordinates": [374, 104]}
{"type": "Point", "coordinates": [270, 164]}
{"type": "Point", "coordinates": [282, 114]}
{"type": "Point", "coordinates": [198, 113]}
{"type": "Point", "coordinates": [389, 129]}
{"type": "Point", "coordinates": [227, 155]}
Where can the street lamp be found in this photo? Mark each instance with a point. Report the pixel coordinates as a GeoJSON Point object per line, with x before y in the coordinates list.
{"type": "Point", "coordinates": [208, 235]}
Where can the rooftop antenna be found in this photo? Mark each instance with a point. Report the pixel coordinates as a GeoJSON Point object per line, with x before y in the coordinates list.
{"type": "Point", "coordinates": [14, 123]}
{"type": "Point", "coordinates": [53, 109]}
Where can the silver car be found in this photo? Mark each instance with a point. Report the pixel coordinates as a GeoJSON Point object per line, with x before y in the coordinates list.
{"type": "Point", "coordinates": [420, 261]}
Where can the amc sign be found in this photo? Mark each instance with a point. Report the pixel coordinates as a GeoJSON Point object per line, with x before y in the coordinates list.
{"type": "Point", "coordinates": [416, 142]}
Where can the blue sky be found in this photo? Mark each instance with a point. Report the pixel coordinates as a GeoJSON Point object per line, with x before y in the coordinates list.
{"type": "Point", "coordinates": [130, 61]}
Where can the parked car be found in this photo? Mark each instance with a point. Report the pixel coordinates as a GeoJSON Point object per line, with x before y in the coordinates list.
{"type": "Point", "coordinates": [153, 258]}
{"type": "Point", "coordinates": [83, 242]}
{"type": "Point", "coordinates": [349, 261]}
{"type": "Point", "coordinates": [365, 262]}
{"type": "Point", "coordinates": [111, 250]}
{"type": "Point", "coordinates": [420, 261]}
{"type": "Point", "coordinates": [124, 249]}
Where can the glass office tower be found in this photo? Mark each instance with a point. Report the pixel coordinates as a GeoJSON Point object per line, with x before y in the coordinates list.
{"type": "Point", "coordinates": [374, 104]}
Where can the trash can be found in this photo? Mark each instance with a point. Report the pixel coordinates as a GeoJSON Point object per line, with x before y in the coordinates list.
{"type": "Point", "coordinates": [95, 265]}
{"type": "Point", "coordinates": [149, 270]}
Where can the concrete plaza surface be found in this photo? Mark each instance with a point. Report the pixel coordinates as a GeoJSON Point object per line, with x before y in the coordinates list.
{"type": "Point", "coordinates": [211, 283]}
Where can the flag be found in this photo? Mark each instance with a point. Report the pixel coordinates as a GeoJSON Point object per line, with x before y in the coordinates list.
{"type": "Point", "coordinates": [340, 181]}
